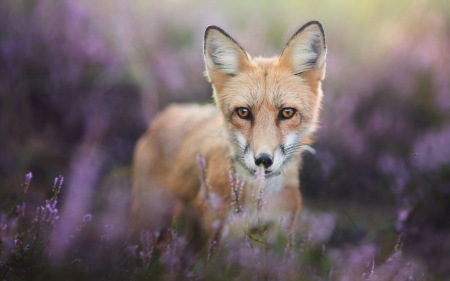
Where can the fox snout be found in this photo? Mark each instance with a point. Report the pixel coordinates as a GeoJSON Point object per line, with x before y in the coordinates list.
{"type": "Point", "coordinates": [271, 160]}
{"type": "Point", "coordinates": [264, 159]}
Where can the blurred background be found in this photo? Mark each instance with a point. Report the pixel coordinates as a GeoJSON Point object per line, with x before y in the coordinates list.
{"type": "Point", "coordinates": [80, 80]}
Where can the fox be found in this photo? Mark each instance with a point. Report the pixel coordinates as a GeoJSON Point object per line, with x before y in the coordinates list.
{"type": "Point", "coordinates": [264, 115]}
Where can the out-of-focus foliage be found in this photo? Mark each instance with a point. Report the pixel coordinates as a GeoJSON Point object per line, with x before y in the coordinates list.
{"type": "Point", "coordinates": [25, 254]}
{"type": "Point", "coordinates": [79, 80]}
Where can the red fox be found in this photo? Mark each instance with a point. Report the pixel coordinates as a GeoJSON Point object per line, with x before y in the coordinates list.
{"type": "Point", "coordinates": [265, 112]}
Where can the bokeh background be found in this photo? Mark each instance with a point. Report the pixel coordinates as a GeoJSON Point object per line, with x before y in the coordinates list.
{"type": "Point", "coordinates": [81, 79]}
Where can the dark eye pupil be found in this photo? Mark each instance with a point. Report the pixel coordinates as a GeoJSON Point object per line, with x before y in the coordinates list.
{"type": "Point", "coordinates": [243, 112]}
{"type": "Point", "coordinates": [288, 112]}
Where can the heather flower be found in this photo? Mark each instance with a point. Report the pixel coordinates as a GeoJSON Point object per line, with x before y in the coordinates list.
{"type": "Point", "coordinates": [370, 269]}
{"type": "Point", "coordinates": [148, 241]}
{"type": "Point", "coordinates": [107, 236]}
{"type": "Point", "coordinates": [237, 187]}
{"type": "Point", "coordinates": [28, 178]}
{"type": "Point", "coordinates": [21, 209]}
{"type": "Point", "coordinates": [51, 212]}
{"type": "Point", "coordinates": [211, 249]}
{"type": "Point", "coordinates": [260, 178]}
{"type": "Point", "coordinates": [57, 184]}
{"type": "Point", "coordinates": [87, 218]}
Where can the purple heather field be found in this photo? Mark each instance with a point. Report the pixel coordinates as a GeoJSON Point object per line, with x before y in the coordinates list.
{"type": "Point", "coordinates": [80, 81]}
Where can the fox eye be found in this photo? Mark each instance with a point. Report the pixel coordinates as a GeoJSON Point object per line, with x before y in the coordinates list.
{"type": "Point", "coordinates": [243, 112]}
{"type": "Point", "coordinates": [287, 113]}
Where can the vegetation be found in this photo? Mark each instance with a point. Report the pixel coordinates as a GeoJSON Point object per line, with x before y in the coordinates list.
{"type": "Point", "coordinates": [79, 81]}
{"type": "Point", "coordinates": [25, 254]}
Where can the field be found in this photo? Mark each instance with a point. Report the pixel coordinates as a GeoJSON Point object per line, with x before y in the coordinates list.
{"type": "Point", "coordinates": [80, 80]}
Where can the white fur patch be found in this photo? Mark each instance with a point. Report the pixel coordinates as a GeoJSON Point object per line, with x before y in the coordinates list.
{"type": "Point", "coordinates": [223, 53]}
{"type": "Point", "coordinates": [307, 50]}
{"type": "Point", "coordinates": [240, 138]}
{"type": "Point", "coordinates": [274, 184]}
{"type": "Point", "coordinates": [278, 159]}
{"type": "Point", "coordinates": [291, 139]}
{"type": "Point", "coordinates": [249, 160]}
{"type": "Point", "coordinates": [305, 53]}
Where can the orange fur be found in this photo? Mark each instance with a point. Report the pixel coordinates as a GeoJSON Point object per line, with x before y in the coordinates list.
{"type": "Point", "coordinates": [166, 178]}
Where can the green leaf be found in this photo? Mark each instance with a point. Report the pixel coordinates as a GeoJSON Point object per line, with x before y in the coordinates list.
{"type": "Point", "coordinates": [174, 224]}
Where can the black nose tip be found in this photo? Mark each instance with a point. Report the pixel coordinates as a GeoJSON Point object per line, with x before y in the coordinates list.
{"type": "Point", "coordinates": [264, 159]}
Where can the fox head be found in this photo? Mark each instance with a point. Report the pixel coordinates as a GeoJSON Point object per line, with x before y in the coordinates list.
{"type": "Point", "coordinates": [270, 106]}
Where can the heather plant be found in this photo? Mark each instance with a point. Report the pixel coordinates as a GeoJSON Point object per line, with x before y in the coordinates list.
{"type": "Point", "coordinates": [22, 246]}
{"type": "Point", "coordinates": [24, 254]}
{"type": "Point", "coordinates": [79, 81]}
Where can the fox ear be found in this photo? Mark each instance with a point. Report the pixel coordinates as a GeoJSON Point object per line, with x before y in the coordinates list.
{"type": "Point", "coordinates": [222, 54]}
{"type": "Point", "coordinates": [306, 51]}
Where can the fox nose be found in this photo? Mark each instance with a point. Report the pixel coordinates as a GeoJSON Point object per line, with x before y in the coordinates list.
{"type": "Point", "coordinates": [264, 159]}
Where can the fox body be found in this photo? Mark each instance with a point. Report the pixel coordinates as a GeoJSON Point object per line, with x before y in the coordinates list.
{"type": "Point", "coordinates": [266, 110]}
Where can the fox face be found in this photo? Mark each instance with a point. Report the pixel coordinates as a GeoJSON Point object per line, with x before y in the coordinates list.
{"type": "Point", "coordinates": [270, 106]}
